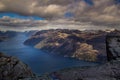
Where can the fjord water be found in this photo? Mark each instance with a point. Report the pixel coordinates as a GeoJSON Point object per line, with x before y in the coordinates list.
{"type": "Point", "coordinates": [40, 62]}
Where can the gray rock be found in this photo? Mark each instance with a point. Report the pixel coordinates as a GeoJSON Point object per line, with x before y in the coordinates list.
{"type": "Point", "coordinates": [108, 71]}
{"type": "Point", "coordinates": [13, 69]}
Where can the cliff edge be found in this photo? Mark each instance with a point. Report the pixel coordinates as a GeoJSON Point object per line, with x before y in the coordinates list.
{"type": "Point", "coordinates": [13, 69]}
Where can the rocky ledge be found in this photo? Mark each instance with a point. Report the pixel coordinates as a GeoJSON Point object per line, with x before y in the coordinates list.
{"type": "Point", "coordinates": [107, 71]}
{"type": "Point", "coordinates": [13, 69]}
{"type": "Point", "coordinates": [83, 45]}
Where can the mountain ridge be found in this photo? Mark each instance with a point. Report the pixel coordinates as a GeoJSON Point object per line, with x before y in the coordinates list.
{"type": "Point", "coordinates": [69, 43]}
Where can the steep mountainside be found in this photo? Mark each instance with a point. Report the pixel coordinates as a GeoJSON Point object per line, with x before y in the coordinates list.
{"type": "Point", "coordinates": [84, 45]}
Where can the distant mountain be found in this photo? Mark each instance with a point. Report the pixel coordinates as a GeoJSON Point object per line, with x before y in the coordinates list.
{"type": "Point", "coordinates": [6, 35]}
{"type": "Point", "coordinates": [83, 45]}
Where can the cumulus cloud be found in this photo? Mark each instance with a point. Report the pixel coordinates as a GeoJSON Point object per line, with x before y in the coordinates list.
{"type": "Point", "coordinates": [40, 8]}
{"type": "Point", "coordinates": [100, 11]}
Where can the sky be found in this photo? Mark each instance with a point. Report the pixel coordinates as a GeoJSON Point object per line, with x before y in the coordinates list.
{"type": "Point", "coordinates": [94, 11]}
{"type": "Point", "coordinates": [15, 15]}
{"type": "Point", "coordinates": [56, 9]}
{"type": "Point", "coordinates": [35, 17]}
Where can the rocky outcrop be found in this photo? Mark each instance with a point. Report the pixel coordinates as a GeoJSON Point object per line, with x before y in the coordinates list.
{"type": "Point", "coordinates": [85, 52]}
{"type": "Point", "coordinates": [113, 46]}
{"type": "Point", "coordinates": [13, 69]}
{"type": "Point", "coordinates": [70, 43]}
{"type": "Point", "coordinates": [107, 71]}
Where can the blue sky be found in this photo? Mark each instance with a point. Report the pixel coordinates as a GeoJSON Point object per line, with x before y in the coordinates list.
{"type": "Point", "coordinates": [90, 2]}
{"type": "Point", "coordinates": [117, 1]}
{"type": "Point", "coordinates": [15, 15]}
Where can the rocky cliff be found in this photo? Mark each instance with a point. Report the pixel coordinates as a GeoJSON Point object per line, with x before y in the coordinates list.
{"type": "Point", "coordinates": [84, 45]}
{"type": "Point", "coordinates": [13, 69]}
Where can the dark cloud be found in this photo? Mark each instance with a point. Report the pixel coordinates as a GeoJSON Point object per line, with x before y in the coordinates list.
{"type": "Point", "coordinates": [101, 11]}
{"type": "Point", "coordinates": [95, 11]}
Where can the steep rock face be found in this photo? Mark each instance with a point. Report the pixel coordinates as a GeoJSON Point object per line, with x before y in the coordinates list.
{"type": "Point", "coordinates": [13, 69]}
{"type": "Point", "coordinates": [113, 46]}
{"type": "Point", "coordinates": [68, 43]}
